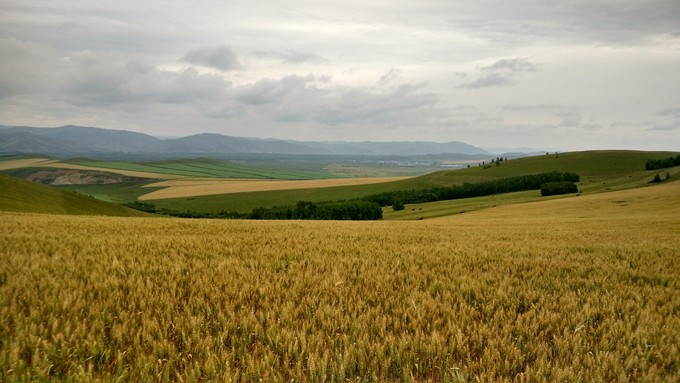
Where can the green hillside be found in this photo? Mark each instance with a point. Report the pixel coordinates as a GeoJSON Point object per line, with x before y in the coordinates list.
{"type": "Point", "coordinates": [599, 170]}
{"type": "Point", "coordinates": [18, 195]}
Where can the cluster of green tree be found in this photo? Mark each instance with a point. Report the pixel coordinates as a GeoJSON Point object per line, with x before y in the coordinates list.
{"type": "Point", "coordinates": [556, 188]}
{"type": "Point", "coordinates": [468, 190]}
{"type": "Point", "coordinates": [663, 163]}
{"type": "Point", "coordinates": [341, 210]}
{"type": "Point", "coordinates": [354, 210]}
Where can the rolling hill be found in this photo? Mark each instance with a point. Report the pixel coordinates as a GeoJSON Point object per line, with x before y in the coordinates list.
{"type": "Point", "coordinates": [24, 196]}
{"type": "Point", "coordinates": [77, 140]}
{"type": "Point", "coordinates": [600, 171]}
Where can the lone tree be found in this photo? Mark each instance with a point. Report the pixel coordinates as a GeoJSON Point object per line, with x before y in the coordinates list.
{"type": "Point", "coordinates": [397, 204]}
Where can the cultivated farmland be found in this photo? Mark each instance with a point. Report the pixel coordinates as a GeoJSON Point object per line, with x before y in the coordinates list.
{"type": "Point", "coordinates": [579, 289]}
{"type": "Point", "coordinates": [600, 171]}
{"type": "Point", "coordinates": [203, 187]}
{"type": "Point", "coordinates": [204, 167]}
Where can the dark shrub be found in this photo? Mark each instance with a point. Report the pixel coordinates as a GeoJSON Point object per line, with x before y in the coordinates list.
{"type": "Point", "coordinates": [556, 188]}
{"type": "Point", "coordinates": [397, 204]}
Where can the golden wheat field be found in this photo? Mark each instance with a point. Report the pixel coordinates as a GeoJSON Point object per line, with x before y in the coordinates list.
{"type": "Point", "coordinates": [24, 162]}
{"type": "Point", "coordinates": [200, 187]}
{"type": "Point", "coordinates": [586, 290]}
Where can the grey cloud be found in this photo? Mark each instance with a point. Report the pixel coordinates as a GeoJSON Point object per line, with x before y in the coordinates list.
{"type": "Point", "coordinates": [488, 80]}
{"type": "Point", "coordinates": [71, 26]}
{"type": "Point", "coordinates": [184, 87]}
{"type": "Point", "coordinates": [512, 65]}
{"type": "Point", "coordinates": [649, 125]}
{"type": "Point", "coordinates": [670, 120]}
{"type": "Point", "coordinates": [540, 107]}
{"type": "Point", "coordinates": [95, 78]}
{"type": "Point", "coordinates": [490, 120]}
{"type": "Point", "coordinates": [527, 21]}
{"type": "Point", "coordinates": [292, 57]}
{"type": "Point", "coordinates": [501, 73]}
{"type": "Point", "coordinates": [670, 112]}
{"type": "Point", "coordinates": [570, 121]}
{"type": "Point", "coordinates": [301, 99]}
{"type": "Point", "coordinates": [267, 91]}
{"type": "Point", "coordinates": [633, 124]}
{"type": "Point", "coordinates": [19, 67]}
{"type": "Point", "coordinates": [220, 57]}
{"type": "Point", "coordinates": [389, 76]}
{"type": "Point", "coordinates": [666, 127]}
{"type": "Point", "coordinates": [590, 126]}
{"type": "Point", "coordinates": [360, 105]}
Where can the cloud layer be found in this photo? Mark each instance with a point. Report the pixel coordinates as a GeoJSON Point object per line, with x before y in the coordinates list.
{"type": "Point", "coordinates": [570, 75]}
{"type": "Point", "coordinates": [220, 57]}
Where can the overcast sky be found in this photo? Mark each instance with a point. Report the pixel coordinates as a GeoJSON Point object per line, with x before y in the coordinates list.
{"type": "Point", "coordinates": [569, 75]}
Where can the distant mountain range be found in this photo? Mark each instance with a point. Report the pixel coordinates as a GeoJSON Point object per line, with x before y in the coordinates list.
{"type": "Point", "coordinates": [88, 140]}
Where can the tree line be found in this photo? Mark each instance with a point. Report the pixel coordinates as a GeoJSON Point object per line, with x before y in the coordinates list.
{"type": "Point", "coordinates": [469, 190]}
{"type": "Point", "coordinates": [663, 163]}
{"type": "Point", "coordinates": [355, 210]}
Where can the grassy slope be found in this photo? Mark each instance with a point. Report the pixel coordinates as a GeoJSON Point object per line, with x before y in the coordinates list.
{"type": "Point", "coordinates": [114, 193]}
{"type": "Point", "coordinates": [592, 166]}
{"type": "Point", "coordinates": [599, 170]}
{"type": "Point", "coordinates": [24, 196]}
{"type": "Point", "coordinates": [660, 202]}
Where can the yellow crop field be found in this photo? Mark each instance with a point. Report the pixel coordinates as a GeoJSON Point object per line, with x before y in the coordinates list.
{"type": "Point", "coordinates": [201, 187]}
{"type": "Point", "coordinates": [580, 289]}
{"type": "Point", "coordinates": [129, 173]}
{"type": "Point", "coordinates": [24, 162]}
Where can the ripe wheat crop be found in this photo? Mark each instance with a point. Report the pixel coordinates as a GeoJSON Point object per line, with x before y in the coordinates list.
{"type": "Point", "coordinates": [515, 298]}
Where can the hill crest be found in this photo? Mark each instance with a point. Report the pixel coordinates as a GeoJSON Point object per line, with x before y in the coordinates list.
{"type": "Point", "coordinates": [79, 140]}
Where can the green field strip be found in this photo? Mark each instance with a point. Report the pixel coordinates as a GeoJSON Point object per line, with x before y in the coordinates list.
{"type": "Point", "coordinates": [204, 169]}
